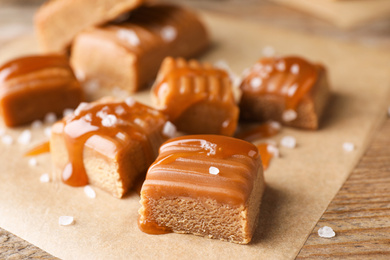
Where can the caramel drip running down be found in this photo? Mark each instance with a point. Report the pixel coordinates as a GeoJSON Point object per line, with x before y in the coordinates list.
{"type": "Point", "coordinates": [184, 169]}
{"type": "Point", "coordinates": [115, 120]}
{"type": "Point", "coordinates": [289, 77]}
{"type": "Point", "coordinates": [25, 65]}
{"type": "Point", "coordinates": [188, 97]}
{"type": "Point", "coordinates": [265, 155]}
{"type": "Point", "coordinates": [265, 130]}
{"type": "Point", "coordinates": [39, 149]}
{"type": "Point", "coordinates": [151, 227]}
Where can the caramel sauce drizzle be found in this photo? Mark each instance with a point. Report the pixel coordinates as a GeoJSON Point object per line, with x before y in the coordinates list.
{"type": "Point", "coordinates": [182, 169]}
{"type": "Point", "coordinates": [264, 130]}
{"type": "Point", "coordinates": [186, 96]}
{"type": "Point", "coordinates": [39, 149]}
{"type": "Point", "coordinates": [288, 77]}
{"type": "Point", "coordinates": [265, 155]}
{"type": "Point", "coordinates": [25, 65]}
{"type": "Point", "coordinates": [103, 119]}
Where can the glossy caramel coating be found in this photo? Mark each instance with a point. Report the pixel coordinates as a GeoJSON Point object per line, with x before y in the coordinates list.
{"type": "Point", "coordinates": [287, 89]}
{"type": "Point", "coordinates": [190, 93]}
{"type": "Point", "coordinates": [31, 87]}
{"type": "Point", "coordinates": [210, 170]}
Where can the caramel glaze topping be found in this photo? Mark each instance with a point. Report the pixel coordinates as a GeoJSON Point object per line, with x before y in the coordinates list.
{"type": "Point", "coordinates": [39, 149]}
{"type": "Point", "coordinates": [201, 166]}
{"type": "Point", "coordinates": [119, 121]}
{"type": "Point", "coordinates": [288, 77]}
{"type": "Point", "coordinates": [180, 85]}
{"type": "Point", "coordinates": [266, 156]}
{"type": "Point", "coordinates": [264, 130]}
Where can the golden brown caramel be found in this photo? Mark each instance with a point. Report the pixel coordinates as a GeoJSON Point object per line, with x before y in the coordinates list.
{"type": "Point", "coordinates": [31, 87]}
{"type": "Point", "coordinates": [39, 149]}
{"type": "Point", "coordinates": [151, 227]}
{"type": "Point", "coordinates": [119, 121]}
{"type": "Point", "coordinates": [265, 130]}
{"type": "Point", "coordinates": [201, 167]}
{"type": "Point", "coordinates": [287, 77]}
{"type": "Point", "coordinates": [265, 155]}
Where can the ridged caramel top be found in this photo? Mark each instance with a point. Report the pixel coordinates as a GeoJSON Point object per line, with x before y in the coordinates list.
{"type": "Point", "coordinates": [44, 71]}
{"type": "Point", "coordinates": [118, 121]}
{"type": "Point", "coordinates": [204, 167]}
{"type": "Point", "coordinates": [289, 77]}
{"type": "Point", "coordinates": [181, 84]}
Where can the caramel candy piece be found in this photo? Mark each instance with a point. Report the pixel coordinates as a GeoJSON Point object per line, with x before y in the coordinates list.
{"type": "Point", "coordinates": [288, 89]}
{"type": "Point", "coordinates": [207, 185]}
{"type": "Point", "coordinates": [57, 22]}
{"type": "Point", "coordinates": [128, 54]}
{"type": "Point", "coordinates": [197, 98]}
{"type": "Point", "coordinates": [107, 144]}
{"type": "Point", "coordinates": [31, 87]}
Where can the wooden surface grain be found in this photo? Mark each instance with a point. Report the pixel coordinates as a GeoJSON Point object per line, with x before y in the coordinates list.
{"type": "Point", "coordinates": [360, 212]}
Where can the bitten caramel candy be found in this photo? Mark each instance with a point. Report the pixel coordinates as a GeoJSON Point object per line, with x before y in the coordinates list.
{"type": "Point", "coordinates": [107, 144]}
{"type": "Point", "coordinates": [31, 87]}
{"type": "Point", "coordinates": [288, 89]}
{"type": "Point", "coordinates": [207, 185]}
{"type": "Point", "coordinates": [128, 54]}
{"type": "Point", "coordinates": [57, 22]}
{"type": "Point", "coordinates": [197, 97]}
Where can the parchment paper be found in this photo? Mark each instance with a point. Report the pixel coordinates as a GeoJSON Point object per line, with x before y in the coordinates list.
{"type": "Point", "coordinates": [344, 14]}
{"type": "Point", "coordinates": [300, 184]}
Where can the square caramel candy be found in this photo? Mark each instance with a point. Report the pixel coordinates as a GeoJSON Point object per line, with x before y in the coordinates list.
{"type": "Point", "coordinates": [289, 89]}
{"type": "Point", "coordinates": [107, 143]}
{"type": "Point", "coordinates": [197, 98]}
{"type": "Point", "coordinates": [31, 87]}
{"type": "Point", "coordinates": [207, 185]}
{"type": "Point", "coordinates": [128, 54]}
{"type": "Point", "coordinates": [58, 22]}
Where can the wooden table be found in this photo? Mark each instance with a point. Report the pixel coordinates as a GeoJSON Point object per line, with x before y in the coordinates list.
{"type": "Point", "coordinates": [360, 212]}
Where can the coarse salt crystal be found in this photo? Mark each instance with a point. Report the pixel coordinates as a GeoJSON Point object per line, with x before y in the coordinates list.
{"type": "Point", "coordinates": [169, 129]}
{"type": "Point", "coordinates": [45, 178]}
{"type": "Point", "coordinates": [81, 107]}
{"type": "Point", "coordinates": [130, 36]}
{"type": "Point", "coordinates": [168, 33]}
{"type": "Point", "coordinates": [130, 101]}
{"type": "Point", "coordinates": [36, 124]}
{"type": "Point", "coordinates": [47, 131]}
{"type": "Point", "coordinates": [89, 192]}
{"type": "Point", "coordinates": [65, 220]}
{"type": "Point", "coordinates": [7, 139]}
{"type": "Point", "coordinates": [268, 51]}
{"type": "Point", "coordinates": [24, 137]}
{"type": "Point", "coordinates": [121, 136]}
{"type": "Point", "coordinates": [252, 153]}
{"type": "Point", "coordinates": [119, 110]}
{"type": "Point", "coordinates": [348, 147]}
{"type": "Point", "coordinates": [289, 115]}
{"type": "Point", "coordinates": [226, 123]}
{"type": "Point", "coordinates": [256, 82]}
{"type": "Point", "coordinates": [32, 162]}
{"type": "Point", "coordinates": [213, 170]}
{"type": "Point", "coordinates": [67, 112]}
{"type": "Point", "coordinates": [326, 232]}
{"type": "Point", "coordinates": [50, 118]}
{"type": "Point", "coordinates": [280, 66]}
{"type": "Point", "coordinates": [291, 90]}
{"type": "Point", "coordinates": [275, 125]}
{"type": "Point", "coordinates": [289, 142]}
{"type": "Point", "coordinates": [272, 149]}
{"type": "Point", "coordinates": [109, 120]}
{"type": "Point", "coordinates": [91, 86]}
{"type": "Point", "coordinates": [294, 69]}
{"type": "Point", "coordinates": [209, 147]}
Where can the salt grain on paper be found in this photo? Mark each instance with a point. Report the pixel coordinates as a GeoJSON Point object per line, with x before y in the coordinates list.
{"type": "Point", "coordinates": [289, 142]}
{"type": "Point", "coordinates": [256, 82]}
{"type": "Point", "coordinates": [130, 36]}
{"type": "Point", "coordinates": [65, 220]}
{"type": "Point", "coordinates": [275, 125]}
{"type": "Point", "coordinates": [36, 124]}
{"type": "Point", "coordinates": [32, 162]}
{"type": "Point", "coordinates": [289, 115]}
{"type": "Point", "coordinates": [169, 129]}
{"type": "Point", "coordinates": [326, 232]}
{"type": "Point", "coordinates": [50, 118]}
{"type": "Point", "coordinates": [213, 170]}
{"type": "Point", "coordinates": [268, 51]}
{"type": "Point", "coordinates": [272, 149]}
{"type": "Point", "coordinates": [348, 147]}
{"type": "Point", "coordinates": [25, 137]}
{"type": "Point", "coordinates": [45, 178]}
{"type": "Point", "coordinates": [7, 139]}
{"type": "Point", "coordinates": [168, 33]}
{"type": "Point", "coordinates": [89, 192]}
{"type": "Point", "coordinates": [47, 131]}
